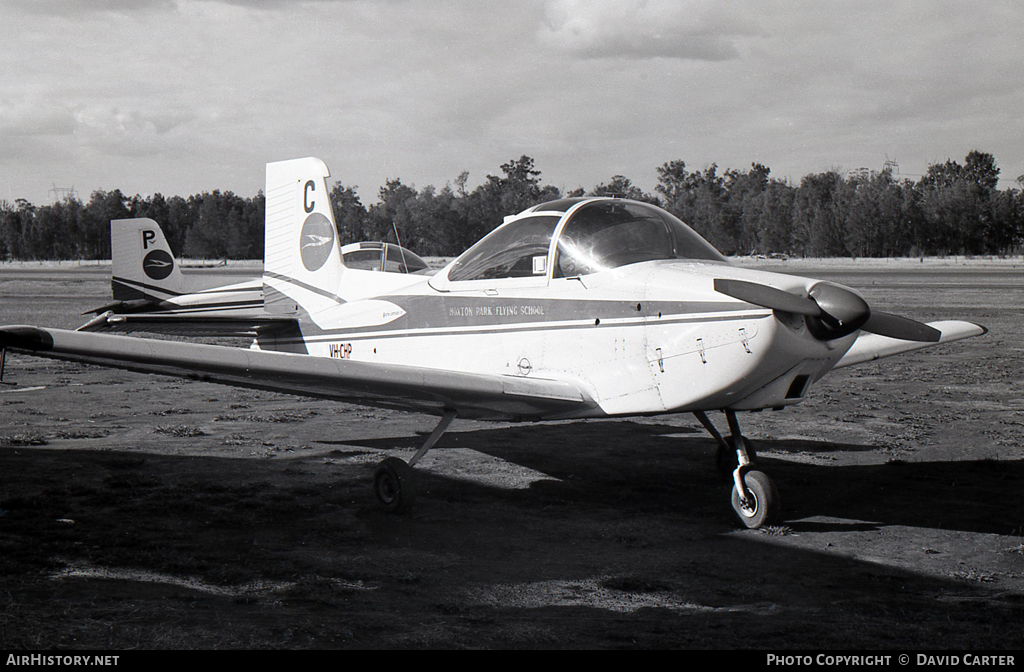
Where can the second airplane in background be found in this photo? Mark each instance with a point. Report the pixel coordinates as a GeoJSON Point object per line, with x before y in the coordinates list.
{"type": "Point", "coordinates": [151, 293]}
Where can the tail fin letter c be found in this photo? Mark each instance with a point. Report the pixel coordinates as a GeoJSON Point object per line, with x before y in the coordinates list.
{"type": "Point", "coordinates": [306, 203]}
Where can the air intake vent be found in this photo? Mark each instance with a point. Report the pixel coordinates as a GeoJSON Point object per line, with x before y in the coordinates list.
{"type": "Point", "coordinates": [798, 387]}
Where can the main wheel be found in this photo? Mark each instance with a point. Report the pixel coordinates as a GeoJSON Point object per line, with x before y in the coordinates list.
{"type": "Point", "coordinates": [393, 485]}
{"type": "Point", "coordinates": [762, 507]}
{"type": "Point", "coordinates": [725, 458]}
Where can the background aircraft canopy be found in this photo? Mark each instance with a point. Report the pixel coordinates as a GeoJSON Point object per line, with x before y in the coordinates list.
{"type": "Point", "coordinates": [598, 235]}
{"type": "Point", "coordinates": [377, 256]}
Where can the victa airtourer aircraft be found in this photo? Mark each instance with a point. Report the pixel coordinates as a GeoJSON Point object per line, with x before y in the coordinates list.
{"type": "Point", "coordinates": [151, 293]}
{"type": "Point", "coordinates": [576, 308]}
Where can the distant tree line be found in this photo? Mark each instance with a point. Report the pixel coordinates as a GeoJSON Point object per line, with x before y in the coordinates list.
{"type": "Point", "coordinates": [215, 225]}
{"type": "Point", "coordinates": [952, 209]}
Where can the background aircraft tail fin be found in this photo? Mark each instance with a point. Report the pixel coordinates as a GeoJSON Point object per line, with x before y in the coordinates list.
{"type": "Point", "coordinates": [142, 266]}
{"type": "Point", "coordinates": [302, 266]}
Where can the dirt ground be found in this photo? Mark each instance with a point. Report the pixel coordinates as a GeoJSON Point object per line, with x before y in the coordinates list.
{"type": "Point", "coordinates": [143, 512]}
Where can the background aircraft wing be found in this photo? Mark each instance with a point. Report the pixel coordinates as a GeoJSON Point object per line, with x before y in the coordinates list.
{"type": "Point", "coordinates": [179, 324]}
{"type": "Point", "coordinates": [476, 396]}
{"type": "Point", "coordinates": [869, 347]}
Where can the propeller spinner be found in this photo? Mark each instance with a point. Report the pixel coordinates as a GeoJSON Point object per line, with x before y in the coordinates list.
{"type": "Point", "coordinates": [832, 311]}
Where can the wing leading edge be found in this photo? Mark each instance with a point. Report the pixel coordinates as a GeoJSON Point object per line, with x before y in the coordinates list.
{"type": "Point", "coordinates": [476, 396]}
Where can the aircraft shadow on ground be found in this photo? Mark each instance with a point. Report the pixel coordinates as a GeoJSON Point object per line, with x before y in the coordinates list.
{"type": "Point", "coordinates": [640, 512]}
{"type": "Point", "coordinates": [652, 464]}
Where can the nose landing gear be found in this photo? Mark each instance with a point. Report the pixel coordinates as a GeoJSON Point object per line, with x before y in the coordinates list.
{"type": "Point", "coordinates": [760, 504]}
{"type": "Point", "coordinates": [754, 496]}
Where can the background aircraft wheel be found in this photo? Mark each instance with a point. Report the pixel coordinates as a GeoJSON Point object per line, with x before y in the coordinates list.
{"type": "Point", "coordinates": [763, 506]}
{"type": "Point", "coordinates": [725, 458]}
{"type": "Point", "coordinates": [393, 485]}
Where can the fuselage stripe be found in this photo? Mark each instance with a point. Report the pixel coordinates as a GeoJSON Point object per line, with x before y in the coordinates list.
{"type": "Point", "coordinates": [333, 335]}
{"type": "Point", "coordinates": [133, 284]}
{"type": "Point", "coordinates": [304, 285]}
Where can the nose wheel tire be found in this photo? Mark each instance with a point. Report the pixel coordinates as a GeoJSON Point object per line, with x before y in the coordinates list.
{"type": "Point", "coordinates": [761, 506]}
{"type": "Point", "coordinates": [393, 483]}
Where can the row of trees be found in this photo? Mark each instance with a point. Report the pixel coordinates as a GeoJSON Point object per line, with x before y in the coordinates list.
{"type": "Point", "coordinates": [952, 209]}
{"type": "Point", "coordinates": [217, 225]}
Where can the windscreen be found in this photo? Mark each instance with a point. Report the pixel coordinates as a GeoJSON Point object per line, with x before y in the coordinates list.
{"type": "Point", "coordinates": [515, 250]}
{"type": "Point", "coordinates": [609, 234]}
{"type": "Point", "coordinates": [400, 260]}
{"type": "Point", "coordinates": [364, 260]}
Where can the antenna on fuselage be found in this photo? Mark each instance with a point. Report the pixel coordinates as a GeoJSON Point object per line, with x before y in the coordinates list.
{"type": "Point", "coordinates": [401, 249]}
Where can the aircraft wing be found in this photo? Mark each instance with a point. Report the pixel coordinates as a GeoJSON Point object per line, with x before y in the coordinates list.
{"type": "Point", "coordinates": [869, 347]}
{"type": "Point", "coordinates": [179, 324]}
{"type": "Point", "coordinates": [477, 396]}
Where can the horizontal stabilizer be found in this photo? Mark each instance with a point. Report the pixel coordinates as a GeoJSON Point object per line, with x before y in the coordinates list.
{"type": "Point", "coordinates": [178, 324]}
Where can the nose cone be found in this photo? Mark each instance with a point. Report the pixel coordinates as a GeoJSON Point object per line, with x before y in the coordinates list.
{"type": "Point", "coordinates": [843, 311]}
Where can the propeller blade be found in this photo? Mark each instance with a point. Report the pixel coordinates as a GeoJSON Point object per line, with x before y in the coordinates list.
{"type": "Point", "coordinates": [767, 297]}
{"type": "Point", "coordinates": [840, 310]}
{"type": "Point", "coordinates": [903, 328]}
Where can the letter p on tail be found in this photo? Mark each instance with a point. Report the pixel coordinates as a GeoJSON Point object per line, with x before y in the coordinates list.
{"type": "Point", "coordinates": [302, 266]}
{"type": "Point", "coordinates": [143, 266]}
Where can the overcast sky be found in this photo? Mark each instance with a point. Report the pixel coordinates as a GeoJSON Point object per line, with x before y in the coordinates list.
{"type": "Point", "coordinates": [184, 96]}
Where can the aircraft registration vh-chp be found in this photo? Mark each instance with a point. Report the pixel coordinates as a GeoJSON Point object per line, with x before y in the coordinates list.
{"type": "Point", "coordinates": [576, 308]}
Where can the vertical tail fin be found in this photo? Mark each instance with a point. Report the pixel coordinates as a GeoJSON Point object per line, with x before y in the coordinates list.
{"type": "Point", "coordinates": [142, 265]}
{"type": "Point", "coordinates": [302, 263]}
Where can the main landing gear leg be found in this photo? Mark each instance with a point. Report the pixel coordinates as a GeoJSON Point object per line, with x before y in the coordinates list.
{"type": "Point", "coordinates": [393, 481]}
{"type": "Point", "coordinates": [754, 496]}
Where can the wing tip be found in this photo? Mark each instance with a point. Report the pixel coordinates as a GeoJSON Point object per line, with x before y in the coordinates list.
{"type": "Point", "coordinates": [956, 330]}
{"type": "Point", "coordinates": [25, 337]}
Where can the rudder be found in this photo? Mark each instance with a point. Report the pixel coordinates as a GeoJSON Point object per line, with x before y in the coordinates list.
{"type": "Point", "coordinates": [302, 266]}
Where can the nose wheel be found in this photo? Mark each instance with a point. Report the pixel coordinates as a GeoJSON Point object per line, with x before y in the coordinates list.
{"type": "Point", "coordinates": [759, 506]}
{"type": "Point", "coordinates": [755, 499]}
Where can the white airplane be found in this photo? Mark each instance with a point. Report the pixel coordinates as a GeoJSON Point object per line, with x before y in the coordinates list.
{"type": "Point", "coordinates": [576, 308]}
{"type": "Point", "coordinates": [151, 293]}
{"type": "Point", "coordinates": [147, 278]}
{"type": "Point", "coordinates": [143, 267]}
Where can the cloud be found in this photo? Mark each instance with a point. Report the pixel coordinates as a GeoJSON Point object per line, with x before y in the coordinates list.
{"type": "Point", "coordinates": [134, 123]}
{"type": "Point", "coordinates": [36, 120]}
{"type": "Point", "coordinates": [197, 94]}
{"type": "Point", "coordinates": [69, 8]}
{"type": "Point", "coordinates": [690, 30]}
{"type": "Point", "coordinates": [77, 7]}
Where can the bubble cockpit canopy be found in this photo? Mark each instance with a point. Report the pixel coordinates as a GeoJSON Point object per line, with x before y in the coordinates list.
{"type": "Point", "coordinates": [592, 235]}
{"type": "Point", "coordinates": [380, 256]}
